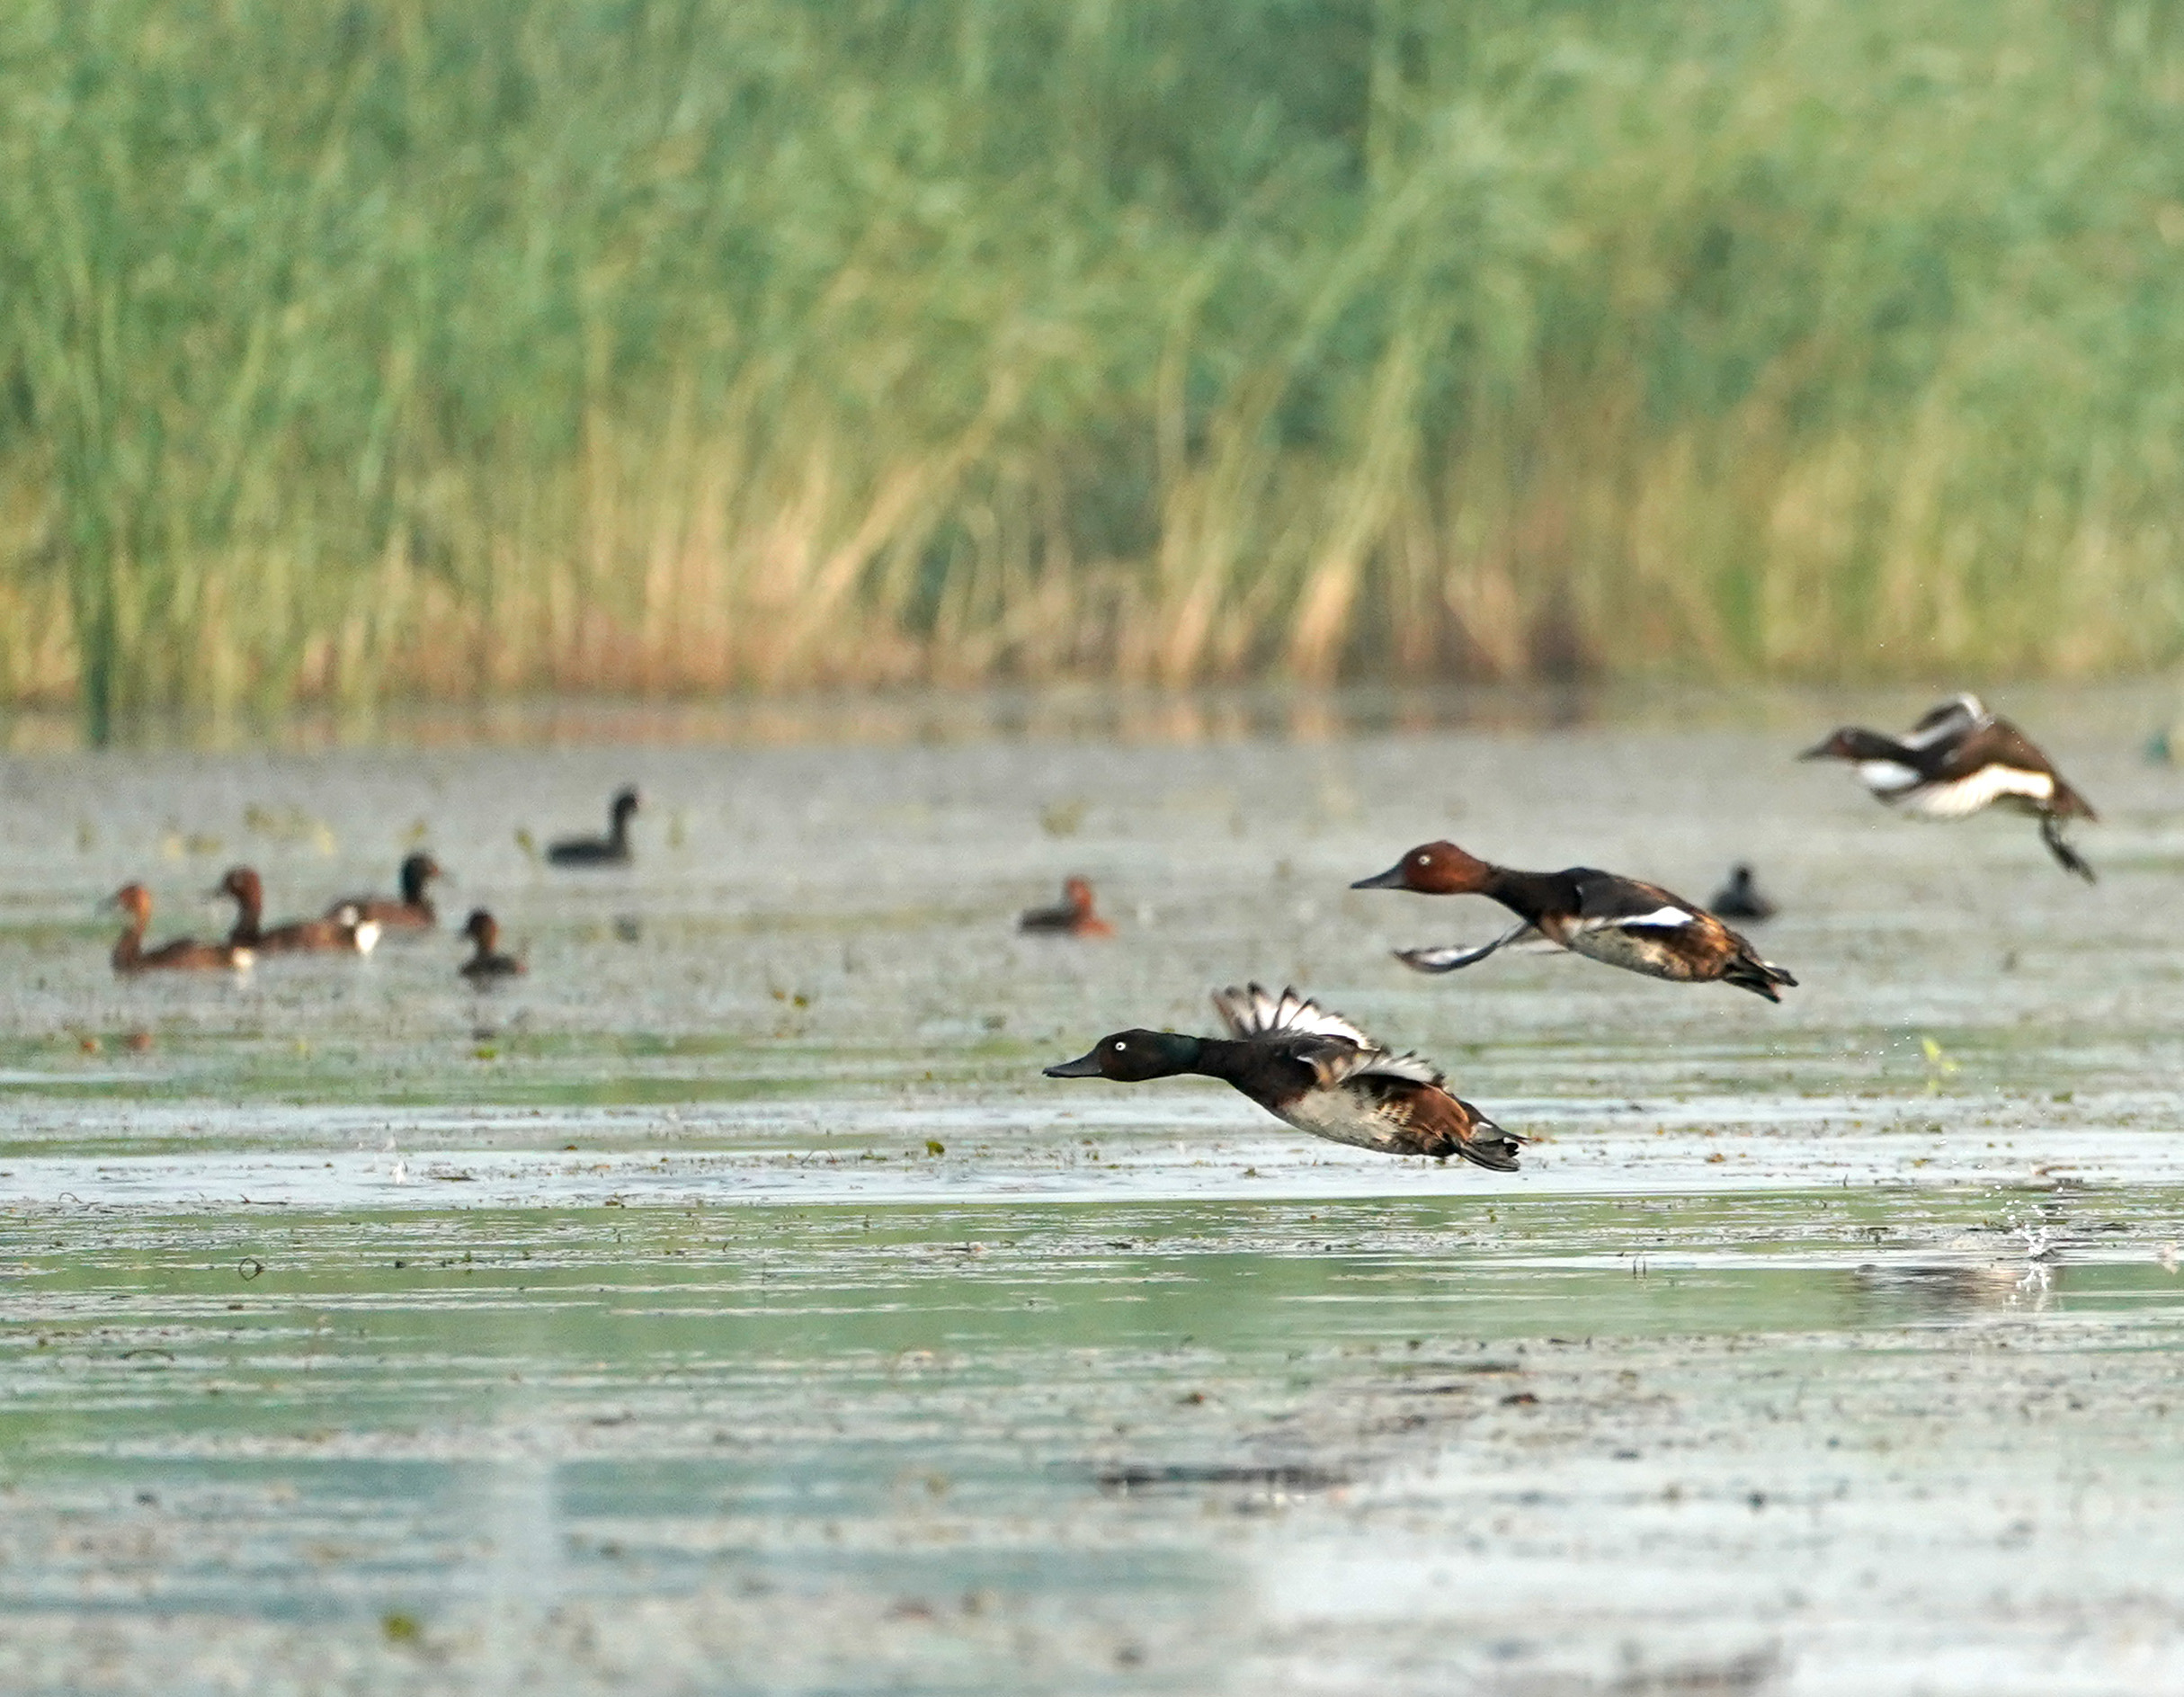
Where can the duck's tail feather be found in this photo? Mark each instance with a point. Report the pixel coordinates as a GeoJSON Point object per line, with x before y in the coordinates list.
{"type": "Point", "coordinates": [1486, 1144]}
{"type": "Point", "coordinates": [1761, 978]}
{"type": "Point", "coordinates": [2051, 834]}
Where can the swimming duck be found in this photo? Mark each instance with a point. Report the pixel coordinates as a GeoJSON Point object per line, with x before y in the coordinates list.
{"type": "Point", "coordinates": [485, 962]}
{"type": "Point", "coordinates": [1074, 917]}
{"type": "Point", "coordinates": [346, 931]}
{"type": "Point", "coordinates": [1619, 921]}
{"type": "Point", "coordinates": [1315, 1070]}
{"type": "Point", "coordinates": [1740, 897]}
{"type": "Point", "coordinates": [184, 953]}
{"type": "Point", "coordinates": [611, 850]}
{"type": "Point", "coordinates": [412, 911]}
{"type": "Point", "coordinates": [1957, 760]}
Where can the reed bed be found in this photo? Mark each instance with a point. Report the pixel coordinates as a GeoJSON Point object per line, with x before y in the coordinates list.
{"type": "Point", "coordinates": [357, 348]}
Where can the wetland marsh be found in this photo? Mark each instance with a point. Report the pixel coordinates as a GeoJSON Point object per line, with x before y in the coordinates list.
{"type": "Point", "coordinates": [728, 1306]}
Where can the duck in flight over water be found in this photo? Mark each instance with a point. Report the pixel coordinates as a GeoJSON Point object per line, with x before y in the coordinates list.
{"type": "Point", "coordinates": [1314, 1070]}
{"type": "Point", "coordinates": [1957, 760]}
{"type": "Point", "coordinates": [1617, 921]}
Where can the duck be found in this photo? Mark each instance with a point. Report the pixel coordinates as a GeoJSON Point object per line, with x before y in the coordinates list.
{"type": "Point", "coordinates": [1957, 760]}
{"type": "Point", "coordinates": [611, 850]}
{"type": "Point", "coordinates": [1314, 1070]}
{"type": "Point", "coordinates": [1740, 897]}
{"type": "Point", "coordinates": [412, 910]}
{"type": "Point", "coordinates": [486, 963]}
{"type": "Point", "coordinates": [1074, 917]}
{"type": "Point", "coordinates": [345, 930]}
{"type": "Point", "coordinates": [181, 954]}
{"type": "Point", "coordinates": [1617, 921]}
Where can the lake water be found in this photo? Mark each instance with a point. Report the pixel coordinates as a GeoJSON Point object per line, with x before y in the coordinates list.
{"type": "Point", "coordinates": [728, 1306]}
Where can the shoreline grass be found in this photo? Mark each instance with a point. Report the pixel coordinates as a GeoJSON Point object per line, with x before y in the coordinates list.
{"type": "Point", "coordinates": [381, 348]}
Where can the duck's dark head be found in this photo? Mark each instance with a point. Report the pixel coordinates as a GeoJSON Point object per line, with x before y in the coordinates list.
{"type": "Point", "coordinates": [242, 886]}
{"type": "Point", "coordinates": [417, 871]}
{"type": "Point", "coordinates": [1132, 1056]}
{"type": "Point", "coordinates": [132, 899]}
{"type": "Point", "coordinates": [482, 929]}
{"type": "Point", "coordinates": [624, 804]}
{"type": "Point", "coordinates": [1850, 743]}
{"type": "Point", "coordinates": [1433, 869]}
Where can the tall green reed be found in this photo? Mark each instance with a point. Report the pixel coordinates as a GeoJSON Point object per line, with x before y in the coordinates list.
{"type": "Point", "coordinates": [355, 347]}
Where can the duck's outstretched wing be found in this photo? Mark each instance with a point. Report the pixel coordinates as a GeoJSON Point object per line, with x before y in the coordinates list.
{"type": "Point", "coordinates": [1447, 960]}
{"type": "Point", "coordinates": [1337, 1063]}
{"type": "Point", "coordinates": [1959, 716]}
{"type": "Point", "coordinates": [1254, 1012]}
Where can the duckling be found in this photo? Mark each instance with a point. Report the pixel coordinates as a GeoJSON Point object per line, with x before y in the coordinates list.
{"type": "Point", "coordinates": [346, 932]}
{"type": "Point", "coordinates": [1316, 1071]}
{"type": "Point", "coordinates": [1740, 897]}
{"type": "Point", "coordinates": [1957, 760]}
{"type": "Point", "coordinates": [485, 963]}
{"type": "Point", "coordinates": [412, 911]}
{"type": "Point", "coordinates": [1074, 917]}
{"type": "Point", "coordinates": [611, 850]}
{"type": "Point", "coordinates": [184, 953]}
{"type": "Point", "coordinates": [1614, 920]}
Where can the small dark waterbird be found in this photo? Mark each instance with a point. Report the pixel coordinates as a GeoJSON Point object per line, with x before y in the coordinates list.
{"type": "Point", "coordinates": [1957, 760]}
{"type": "Point", "coordinates": [412, 910]}
{"type": "Point", "coordinates": [345, 932]}
{"type": "Point", "coordinates": [184, 954]}
{"type": "Point", "coordinates": [611, 850]}
{"type": "Point", "coordinates": [1617, 921]}
{"type": "Point", "coordinates": [486, 963]}
{"type": "Point", "coordinates": [1074, 917]}
{"type": "Point", "coordinates": [1740, 897]}
{"type": "Point", "coordinates": [1314, 1070]}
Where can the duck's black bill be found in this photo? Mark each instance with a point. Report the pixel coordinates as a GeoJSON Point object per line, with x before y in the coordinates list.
{"type": "Point", "coordinates": [1820, 751]}
{"type": "Point", "coordinates": [1391, 879]}
{"type": "Point", "coordinates": [1082, 1067]}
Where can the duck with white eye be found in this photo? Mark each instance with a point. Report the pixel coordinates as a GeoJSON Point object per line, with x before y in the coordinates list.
{"type": "Point", "coordinates": [1314, 1070]}
{"type": "Point", "coordinates": [1958, 759]}
{"type": "Point", "coordinates": [1617, 921]}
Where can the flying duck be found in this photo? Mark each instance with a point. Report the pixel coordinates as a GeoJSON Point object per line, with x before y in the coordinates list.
{"type": "Point", "coordinates": [1957, 760]}
{"type": "Point", "coordinates": [412, 911]}
{"type": "Point", "coordinates": [611, 850]}
{"type": "Point", "coordinates": [1619, 921]}
{"type": "Point", "coordinates": [1315, 1070]}
{"type": "Point", "coordinates": [345, 930]}
{"type": "Point", "coordinates": [1074, 917]}
{"type": "Point", "coordinates": [182, 955]}
{"type": "Point", "coordinates": [486, 963]}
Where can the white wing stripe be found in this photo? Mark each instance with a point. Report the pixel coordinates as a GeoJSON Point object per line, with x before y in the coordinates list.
{"type": "Point", "coordinates": [1665, 918]}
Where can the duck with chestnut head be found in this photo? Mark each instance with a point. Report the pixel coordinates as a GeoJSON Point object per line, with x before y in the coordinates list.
{"type": "Point", "coordinates": [1617, 921]}
{"type": "Point", "coordinates": [345, 932]}
{"type": "Point", "coordinates": [1076, 916]}
{"type": "Point", "coordinates": [183, 954]}
{"type": "Point", "coordinates": [1316, 1071]}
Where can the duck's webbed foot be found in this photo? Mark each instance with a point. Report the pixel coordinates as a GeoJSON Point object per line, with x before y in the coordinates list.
{"type": "Point", "coordinates": [2051, 834]}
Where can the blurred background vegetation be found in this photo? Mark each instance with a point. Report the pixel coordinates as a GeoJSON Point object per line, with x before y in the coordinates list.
{"type": "Point", "coordinates": [358, 348]}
